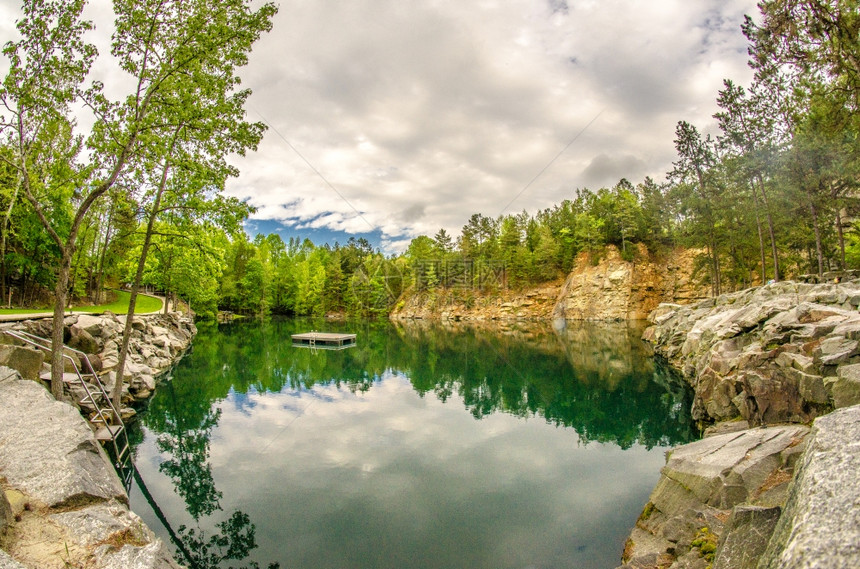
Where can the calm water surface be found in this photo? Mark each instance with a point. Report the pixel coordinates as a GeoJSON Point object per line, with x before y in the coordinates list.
{"type": "Point", "coordinates": [425, 446]}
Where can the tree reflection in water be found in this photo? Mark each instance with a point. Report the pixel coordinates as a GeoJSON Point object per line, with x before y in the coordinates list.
{"type": "Point", "coordinates": [596, 379]}
{"type": "Point", "coordinates": [184, 430]}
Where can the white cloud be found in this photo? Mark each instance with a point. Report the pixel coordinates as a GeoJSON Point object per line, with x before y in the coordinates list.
{"type": "Point", "coordinates": [423, 113]}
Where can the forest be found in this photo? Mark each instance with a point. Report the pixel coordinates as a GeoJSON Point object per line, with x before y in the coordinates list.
{"type": "Point", "coordinates": [771, 193]}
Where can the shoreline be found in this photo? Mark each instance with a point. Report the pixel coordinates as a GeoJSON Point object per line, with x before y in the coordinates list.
{"type": "Point", "coordinates": [63, 504]}
{"type": "Point", "coordinates": [693, 518]}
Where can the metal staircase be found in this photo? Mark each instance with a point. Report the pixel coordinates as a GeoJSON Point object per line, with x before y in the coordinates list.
{"type": "Point", "coordinates": [105, 420]}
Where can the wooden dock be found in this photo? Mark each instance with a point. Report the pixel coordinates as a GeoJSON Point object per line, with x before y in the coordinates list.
{"type": "Point", "coordinates": [323, 340]}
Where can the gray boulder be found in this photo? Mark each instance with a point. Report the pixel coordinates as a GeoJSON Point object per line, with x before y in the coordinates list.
{"type": "Point", "coordinates": [82, 340]}
{"type": "Point", "coordinates": [820, 525]}
{"type": "Point", "coordinates": [27, 361]}
{"type": "Point", "coordinates": [61, 466]}
{"type": "Point", "coordinates": [745, 537]}
{"type": "Point", "coordinates": [7, 562]}
{"type": "Point", "coordinates": [845, 387]}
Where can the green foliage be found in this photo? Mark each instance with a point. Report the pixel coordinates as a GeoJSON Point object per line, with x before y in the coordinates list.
{"type": "Point", "coordinates": [770, 196]}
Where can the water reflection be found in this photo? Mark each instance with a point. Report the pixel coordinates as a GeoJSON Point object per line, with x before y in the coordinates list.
{"type": "Point", "coordinates": [337, 461]}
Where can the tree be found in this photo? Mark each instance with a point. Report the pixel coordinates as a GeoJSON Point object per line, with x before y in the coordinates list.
{"type": "Point", "coordinates": [202, 114]}
{"type": "Point", "coordinates": [694, 172]}
{"type": "Point", "coordinates": [749, 127]}
{"type": "Point", "coordinates": [170, 48]}
{"type": "Point", "coordinates": [443, 242]}
{"type": "Point", "coordinates": [813, 38]}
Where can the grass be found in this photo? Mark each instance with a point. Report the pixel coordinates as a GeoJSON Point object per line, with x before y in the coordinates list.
{"type": "Point", "coordinates": [144, 304]}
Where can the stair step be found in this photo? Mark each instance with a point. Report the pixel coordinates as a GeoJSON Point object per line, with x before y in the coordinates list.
{"type": "Point", "coordinates": [108, 433]}
{"type": "Point", "coordinates": [67, 377]}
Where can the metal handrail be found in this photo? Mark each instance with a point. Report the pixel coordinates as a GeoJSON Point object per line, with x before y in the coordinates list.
{"type": "Point", "coordinates": [114, 430]}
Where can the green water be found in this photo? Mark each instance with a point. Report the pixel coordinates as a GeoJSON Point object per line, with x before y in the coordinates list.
{"type": "Point", "coordinates": [425, 446]}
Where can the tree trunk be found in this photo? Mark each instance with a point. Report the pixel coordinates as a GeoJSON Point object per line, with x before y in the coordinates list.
{"type": "Point", "coordinates": [760, 237]}
{"type": "Point", "coordinates": [774, 252]}
{"type": "Point", "coordinates": [60, 293]}
{"type": "Point", "coordinates": [818, 249]}
{"type": "Point", "coordinates": [103, 253]}
{"type": "Point", "coordinates": [841, 236]}
{"type": "Point", "coordinates": [138, 277]}
{"type": "Point", "coordinates": [5, 234]}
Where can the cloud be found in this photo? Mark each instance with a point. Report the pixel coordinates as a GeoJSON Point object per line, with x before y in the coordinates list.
{"type": "Point", "coordinates": [403, 118]}
{"type": "Point", "coordinates": [603, 170]}
{"type": "Point", "coordinates": [422, 114]}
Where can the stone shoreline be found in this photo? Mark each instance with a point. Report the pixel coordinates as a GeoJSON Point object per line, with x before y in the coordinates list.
{"type": "Point", "coordinates": [63, 504]}
{"type": "Point", "coordinates": [772, 496]}
{"type": "Point", "coordinates": [752, 494]}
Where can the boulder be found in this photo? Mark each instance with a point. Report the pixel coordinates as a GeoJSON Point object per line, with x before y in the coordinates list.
{"type": "Point", "coordinates": [845, 387]}
{"type": "Point", "coordinates": [7, 562]}
{"type": "Point", "coordinates": [27, 361]}
{"type": "Point", "coordinates": [132, 543]}
{"type": "Point", "coordinates": [83, 341]}
{"type": "Point", "coordinates": [61, 466]}
{"type": "Point", "coordinates": [745, 537]}
{"type": "Point", "coordinates": [93, 325]}
{"type": "Point", "coordinates": [820, 524]}
{"type": "Point", "coordinates": [729, 469]}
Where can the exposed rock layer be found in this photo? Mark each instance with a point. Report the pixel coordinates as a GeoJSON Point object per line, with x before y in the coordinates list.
{"type": "Point", "coordinates": [600, 288]}
{"type": "Point", "coordinates": [610, 288]}
{"type": "Point", "coordinates": [785, 352]}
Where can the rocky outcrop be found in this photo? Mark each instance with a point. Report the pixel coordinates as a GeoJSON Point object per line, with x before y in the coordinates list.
{"type": "Point", "coordinates": [601, 287]}
{"type": "Point", "coordinates": [68, 505]}
{"type": "Point", "coordinates": [157, 342]}
{"type": "Point", "coordinates": [468, 304]}
{"type": "Point", "coordinates": [702, 486]}
{"type": "Point", "coordinates": [767, 498]}
{"type": "Point", "coordinates": [785, 352]}
{"type": "Point", "coordinates": [820, 527]}
{"type": "Point", "coordinates": [610, 288]}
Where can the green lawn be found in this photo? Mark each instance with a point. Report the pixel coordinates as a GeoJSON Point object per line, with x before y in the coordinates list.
{"type": "Point", "coordinates": [119, 306]}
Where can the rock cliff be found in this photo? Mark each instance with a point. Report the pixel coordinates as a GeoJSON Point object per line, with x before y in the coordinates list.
{"type": "Point", "coordinates": [600, 288]}
{"type": "Point", "coordinates": [610, 288]}
{"type": "Point", "coordinates": [468, 304]}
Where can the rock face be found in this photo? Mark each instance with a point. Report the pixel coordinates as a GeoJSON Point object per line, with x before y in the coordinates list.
{"type": "Point", "coordinates": [615, 289]}
{"type": "Point", "coordinates": [785, 352]}
{"type": "Point", "coordinates": [71, 509]}
{"type": "Point", "coordinates": [608, 289]}
{"type": "Point", "coordinates": [467, 304]}
{"type": "Point", "coordinates": [820, 527]}
{"type": "Point", "coordinates": [700, 486]}
{"type": "Point", "coordinates": [28, 361]}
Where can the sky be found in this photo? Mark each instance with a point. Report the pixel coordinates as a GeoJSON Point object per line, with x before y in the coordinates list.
{"type": "Point", "coordinates": [389, 119]}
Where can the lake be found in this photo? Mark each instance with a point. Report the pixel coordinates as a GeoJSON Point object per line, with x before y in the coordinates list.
{"type": "Point", "coordinates": [424, 446]}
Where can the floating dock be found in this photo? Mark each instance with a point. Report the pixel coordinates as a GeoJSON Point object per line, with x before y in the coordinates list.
{"type": "Point", "coordinates": [323, 340]}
